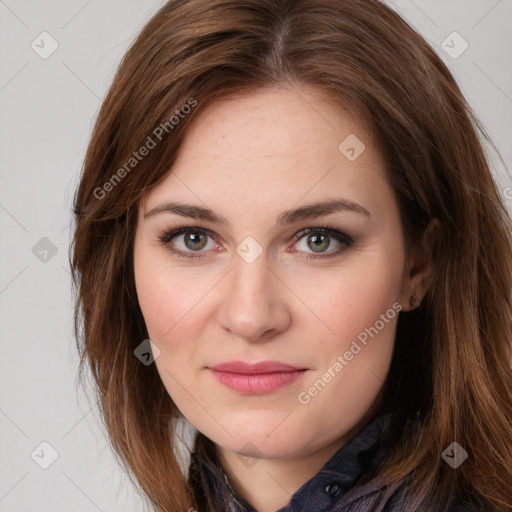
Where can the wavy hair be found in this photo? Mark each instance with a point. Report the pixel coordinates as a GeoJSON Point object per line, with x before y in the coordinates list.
{"type": "Point", "coordinates": [451, 369]}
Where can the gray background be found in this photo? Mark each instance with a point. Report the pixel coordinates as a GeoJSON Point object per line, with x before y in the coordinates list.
{"type": "Point", "coordinates": [48, 107]}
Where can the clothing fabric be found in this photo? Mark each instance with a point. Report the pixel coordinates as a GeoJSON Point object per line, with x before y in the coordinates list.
{"type": "Point", "coordinates": [339, 486]}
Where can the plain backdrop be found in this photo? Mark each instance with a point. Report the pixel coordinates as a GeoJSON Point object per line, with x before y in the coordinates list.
{"type": "Point", "coordinates": [48, 104]}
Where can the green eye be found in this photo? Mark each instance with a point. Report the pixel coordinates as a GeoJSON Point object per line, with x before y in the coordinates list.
{"type": "Point", "coordinates": [194, 240]}
{"type": "Point", "coordinates": [319, 239]}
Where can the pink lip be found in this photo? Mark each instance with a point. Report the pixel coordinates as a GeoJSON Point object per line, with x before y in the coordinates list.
{"type": "Point", "coordinates": [256, 378]}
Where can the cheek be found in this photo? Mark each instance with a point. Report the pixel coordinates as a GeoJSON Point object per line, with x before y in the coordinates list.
{"type": "Point", "coordinates": [173, 303]}
{"type": "Point", "coordinates": [159, 306]}
{"type": "Point", "coordinates": [167, 297]}
{"type": "Point", "coordinates": [358, 311]}
{"type": "Point", "coordinates": [345, 301]}
{"type": "Point", "coordinates": [170, 304]}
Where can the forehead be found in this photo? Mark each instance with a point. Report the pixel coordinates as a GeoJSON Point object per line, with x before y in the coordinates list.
{"type": "Point", "coordinates": [270, 124]}
{"type": "Point", "coordinates": [272, 148]}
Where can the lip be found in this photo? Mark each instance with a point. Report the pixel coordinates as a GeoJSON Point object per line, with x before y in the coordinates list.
{"type": "Point", "coordinates": [256, 378]}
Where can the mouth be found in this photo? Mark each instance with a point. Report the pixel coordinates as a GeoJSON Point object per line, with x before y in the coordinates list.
{"type": "Point", "coordinates": [256, 378]}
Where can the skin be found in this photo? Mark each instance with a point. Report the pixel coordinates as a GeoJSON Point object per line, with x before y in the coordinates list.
{"type": "Point", "coordinates": [250, 158]}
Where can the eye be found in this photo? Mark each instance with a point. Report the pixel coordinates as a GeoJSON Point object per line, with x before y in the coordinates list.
{"type": "Point", "coordinates": [186, 240]}
{"type": "Point", "coordinates": [318, 240]}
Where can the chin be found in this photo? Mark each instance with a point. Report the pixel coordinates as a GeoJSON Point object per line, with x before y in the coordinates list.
{"type": "Point", "coordinates": [262, 448]}
{"type": "Point", "coordinates": [252, 440]}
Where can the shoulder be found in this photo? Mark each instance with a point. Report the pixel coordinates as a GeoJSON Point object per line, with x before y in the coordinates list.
{"type": "Point", "coordinates": [400, 497]}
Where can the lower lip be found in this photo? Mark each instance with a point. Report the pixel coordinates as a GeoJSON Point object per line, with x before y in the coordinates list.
{"type": "Point", "coordinates": [257, 384]}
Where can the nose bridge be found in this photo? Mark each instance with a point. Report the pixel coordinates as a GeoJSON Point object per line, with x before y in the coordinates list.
{"type": "Point", "coordinates": [251, 288]}
{"type": "Point", "coordinates": [249, 274]}
{"type": "Point", "coordinates": [253, 304]}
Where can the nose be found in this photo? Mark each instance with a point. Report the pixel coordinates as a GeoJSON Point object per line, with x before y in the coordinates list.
{"type": "Point", "coordinates": [253, 307]}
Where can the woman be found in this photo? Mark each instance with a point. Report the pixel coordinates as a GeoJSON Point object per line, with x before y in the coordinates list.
{"type": "Point", "coordinates": [291, 201]}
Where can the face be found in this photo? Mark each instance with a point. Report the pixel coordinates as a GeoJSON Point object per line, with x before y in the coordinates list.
{"type": "Point", "coordinates": [310, 294]}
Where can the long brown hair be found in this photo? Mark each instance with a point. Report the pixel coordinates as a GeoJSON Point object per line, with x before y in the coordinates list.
{"type": "Point", "coordinates": [451, 370]}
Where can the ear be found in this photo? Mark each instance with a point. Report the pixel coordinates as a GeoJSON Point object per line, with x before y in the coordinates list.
{"type": "Point", "coordinates": [418, 271]}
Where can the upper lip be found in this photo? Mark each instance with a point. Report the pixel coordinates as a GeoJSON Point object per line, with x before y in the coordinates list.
{"type": "Point", "coordinates": [254, 368]}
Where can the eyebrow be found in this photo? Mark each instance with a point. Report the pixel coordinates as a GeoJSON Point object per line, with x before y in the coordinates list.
{"type": "Point", "coordinates": [287, 217]}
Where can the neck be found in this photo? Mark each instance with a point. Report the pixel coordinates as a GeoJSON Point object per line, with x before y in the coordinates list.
{"type": "Point", "coordinates": [268, 484]}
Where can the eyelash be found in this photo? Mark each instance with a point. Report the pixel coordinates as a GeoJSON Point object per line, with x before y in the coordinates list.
{"type": "Point", "coordinates": [344, 239]}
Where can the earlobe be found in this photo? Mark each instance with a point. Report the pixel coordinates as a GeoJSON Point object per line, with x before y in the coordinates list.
{"type": "Point", "coordinates": [413, 300]}
{"type": "Point", "coordinates": [420, 267]}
